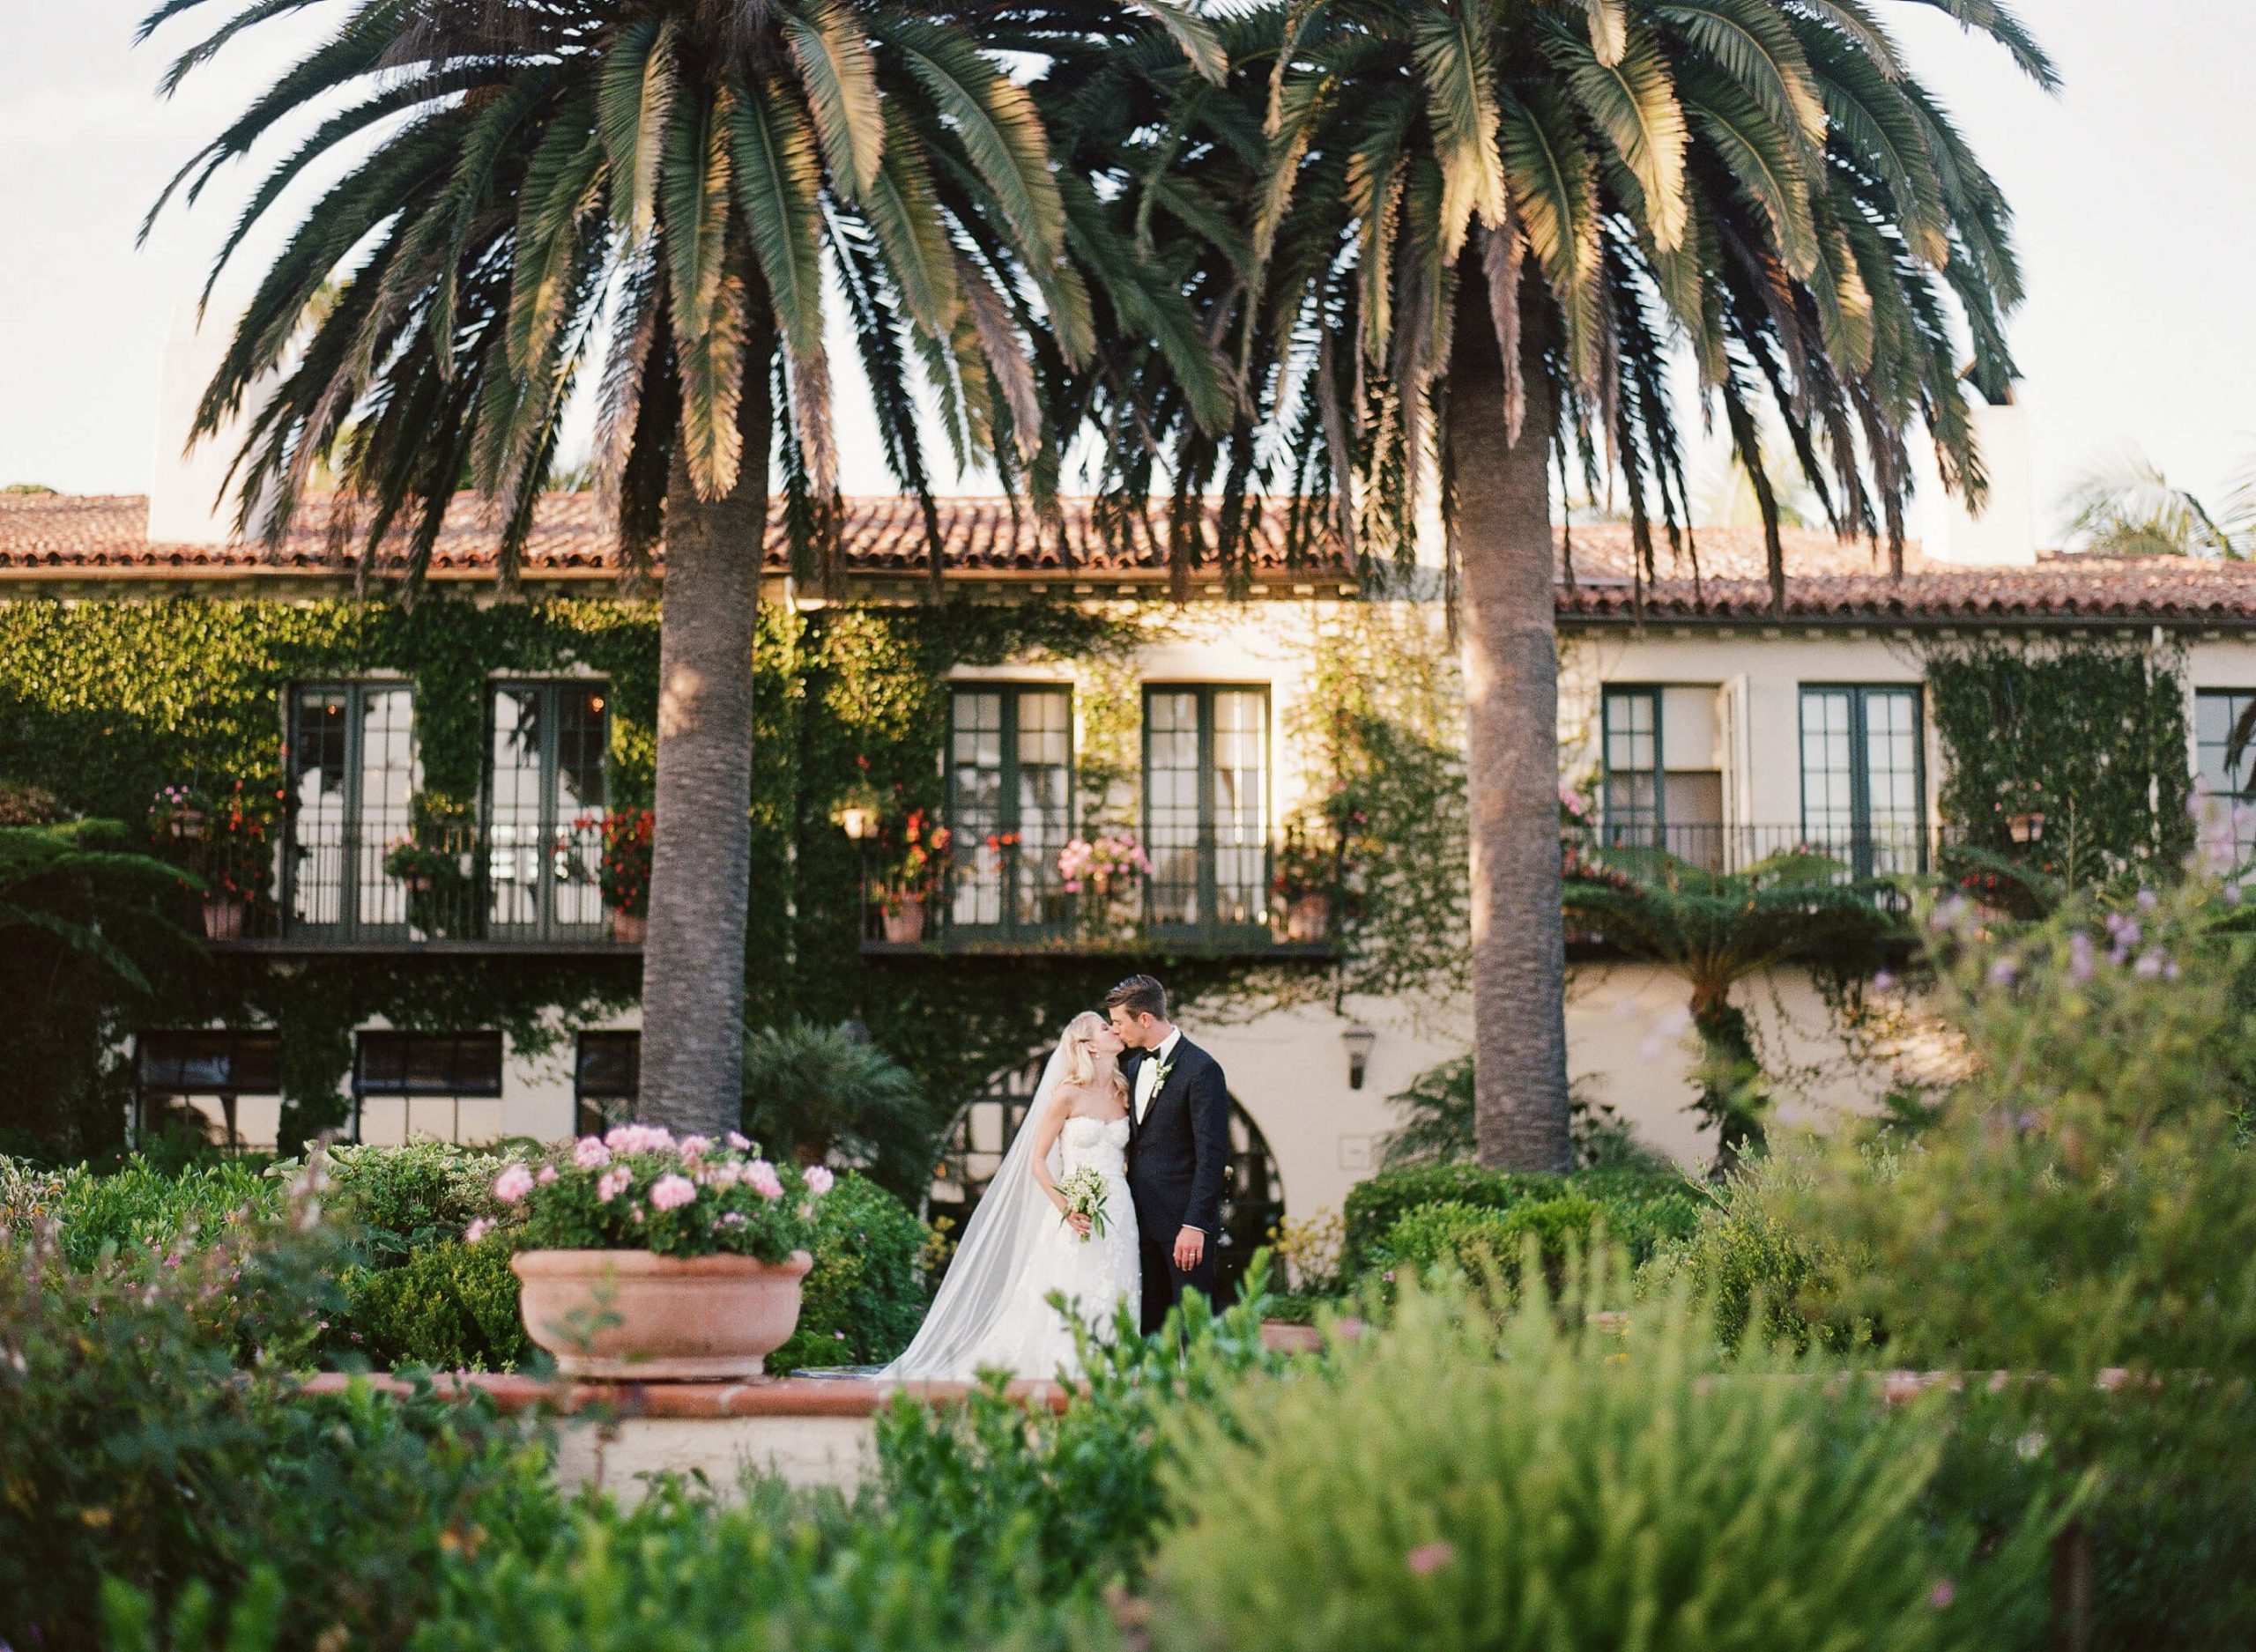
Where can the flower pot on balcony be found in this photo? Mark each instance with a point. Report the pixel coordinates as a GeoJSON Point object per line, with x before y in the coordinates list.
{"type": "Point", "coordinates": [628, 928]}
{"type": "Point", "coordinates": [1308, 918]}
{"type": "Point", "coordinates": [2025, 828]}
{"type": "Point", "coordinates": [630, 1316]}
{"type": "Point", "coordinates": [223, 917]}
{"type": "Point", "coordinates": [904, 925]}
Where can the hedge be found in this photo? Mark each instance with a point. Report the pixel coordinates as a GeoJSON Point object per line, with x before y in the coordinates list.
{"type": "Point", "coordinates": [1641, 1209]}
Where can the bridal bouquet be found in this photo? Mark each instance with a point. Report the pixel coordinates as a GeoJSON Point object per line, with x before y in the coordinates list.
{"type": "Point", "coordinates": [1083, 1192]}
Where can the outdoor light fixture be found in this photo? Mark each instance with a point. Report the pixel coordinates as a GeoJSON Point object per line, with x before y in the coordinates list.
{"type": "Point", "coordinates": [1359, 1039]}
{"type": "Point", "coordinates": [859, 823]}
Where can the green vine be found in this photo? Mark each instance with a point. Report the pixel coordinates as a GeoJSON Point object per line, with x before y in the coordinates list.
{"type": "Point", "coordinates": [2089, 735]}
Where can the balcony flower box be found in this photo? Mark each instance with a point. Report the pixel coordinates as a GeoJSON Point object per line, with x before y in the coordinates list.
{"type": "Point", "coordinates": [223, 917]}
{"type": "Point", "coordinates": [644, 1258]}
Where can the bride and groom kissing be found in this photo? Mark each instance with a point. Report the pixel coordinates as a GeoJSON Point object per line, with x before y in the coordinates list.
{"type": "Point", "coordinates": [1110, 1193]}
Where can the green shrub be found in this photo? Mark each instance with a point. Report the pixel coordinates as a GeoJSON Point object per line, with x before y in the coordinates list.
{"type": "Point", "coordinates": [141, 1207]}
{"type": "Point", "coordinates": [153, 1431]}
{"type": "Point", "coordinates": [866, 1295]}
{"type": "Point", "coordinates": [1644, 1209]}
{"type": "Point", "coordinates": [1743, 1258]}
{"type": "Point", "coordinates": [1484, 1244]}
{"type": "Point", "coordinates": [405, 1198]}
{"type": "Point", "coordinates": [450, 1305]}
{"type": "Point", "coordinates": [1581, 1491]}
{"type": "Point", "coordinates": [27, 1193]}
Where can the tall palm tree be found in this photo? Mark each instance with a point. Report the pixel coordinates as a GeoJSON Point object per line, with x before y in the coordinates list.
{"type": "Point", "coordinates": [2122, 505]}
{"type": "Point", "coordinates": [1489, 231]}
{"type": "Point", "coordinates": [674, 182]}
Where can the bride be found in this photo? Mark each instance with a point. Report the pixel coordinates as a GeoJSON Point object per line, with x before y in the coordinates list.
{"type": "Point", "coordinates": [993, 1311]}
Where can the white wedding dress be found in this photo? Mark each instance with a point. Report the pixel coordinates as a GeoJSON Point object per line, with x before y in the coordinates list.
{"type": "Point", "coordinates": [993, 1312]}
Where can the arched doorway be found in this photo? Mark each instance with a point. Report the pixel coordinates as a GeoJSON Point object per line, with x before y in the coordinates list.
{"type": "Point", "coordinates": [972, 1148]}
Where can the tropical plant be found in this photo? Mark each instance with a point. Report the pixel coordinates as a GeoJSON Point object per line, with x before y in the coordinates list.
{"type": "Point", "coordinates": [1717, 928]}
{"type": "Point", "coordinates": [1482, 236]}
{"type": "Point", "coordinates": [685, 179]}
{"type": "Point", "coordinates": [2122, 505]}
{"type": "Point", "coordinates": [820, 1095]}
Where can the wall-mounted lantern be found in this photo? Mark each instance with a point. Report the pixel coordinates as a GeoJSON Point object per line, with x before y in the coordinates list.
{"type": "Point", "coordinates": [1359, 1039]}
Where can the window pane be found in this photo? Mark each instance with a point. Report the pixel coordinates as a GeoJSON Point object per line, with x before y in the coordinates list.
{"type": "Point", "coordinates": [610, 1065]}
{"type": "Point", "coordinates": [1171, 802]}
{"type": "Point", "coordinates": [1892, 778]}
{"type": "Point", "coordinates": [583, 734]}
{"type": "Point", "coordinates": [1633, 795]}
{"type": "Point", "coordinates": [387, 783]}
{"type": "Point", "coordinates": [512, 828]}
{"type": "Point", "coordinates": [976, 805]}
{"type": "Point", "coordinates": [1827, 788]}
{"type": "Point", "coordinates": [424, 1063]}
{"type": "Point", "coordinates": [1045, 748]}
{"type": "Point", "coordinates": [1241, 804]}
{"type": "Point", "coordinates": [2216, 715]}
{"type": "Point", "coordinates": [318, 754]}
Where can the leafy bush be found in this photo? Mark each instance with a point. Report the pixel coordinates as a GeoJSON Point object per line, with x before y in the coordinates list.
{"type": "Point", "coordinates": [826, 1093]}
{"type": "Point", "coordinates": [1578, 1492]}
{"type": "Point", "coordinates": [866, 1295]}
{"type": "Point", "coordinates": [1643, 1209]}
{"type": "Point", "coordinates": [450, 1305]}
{"type": "Point", "coordinates": [403, 1199]}
{"type": "Point", "coordinates": [140, 1207]}
{"type": "Point", "coordinates": [152, 1431]}
{"type": "Point", "coordinates": [27, 1193]}
{"type": "Point", "coordinates": [1481, 1244]}
{"type": "Point", "coordinates": [1437, 1126]}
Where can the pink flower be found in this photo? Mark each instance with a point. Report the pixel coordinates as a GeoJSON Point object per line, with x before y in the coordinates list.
{"type": "Point", "coordinates": [1430, 1557]}
{"type": "Point", "coordinates": [513, 1184]}
{"type": "Point", "coordinates": [737, 1141]}
{"type": "Point", "coordinates": [548, 1174]}
{"type": "Point", "coordinates": [695, 1146]}
{"type": "Point", "coordinates": [760, 1177]}
{"type": "Point", "coordinates": [477, 1231]}
{"type": "Point", "coordinates": [590, 1154]}
{"type": "Point", "coordinates": [639, 1138]}
{"type": "Point", "coordinates": [818, 1180]}
{"type": "Point", "coordinates": [672, 1192]}
{"type": "Point", "coordinates": [727, 1174]}
{"type": "Point", "coordinates": [1942, 1594]}
{"type": "Point", "coordinates": [613, 1183]}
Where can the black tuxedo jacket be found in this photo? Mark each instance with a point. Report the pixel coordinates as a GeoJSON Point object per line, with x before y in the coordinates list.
{"type": "Point", "coordinates": [1177, 1152]}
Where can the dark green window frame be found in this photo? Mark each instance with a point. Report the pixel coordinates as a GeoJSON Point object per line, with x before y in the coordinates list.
{"type": "Point", "coordinates": [1025, 890]}
{"type": "Point", "coordinates": [551, 858]}
{"type": "Point", "coordinates": [1631, 825]}
{"type": "Point", "coordinates": [1229, 889]}
{"type": "Point", "coordinates": [1868, 854]}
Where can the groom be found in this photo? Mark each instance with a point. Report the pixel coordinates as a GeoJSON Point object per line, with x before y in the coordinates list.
{"type": "Point", "coordinates": [1178, 1146]}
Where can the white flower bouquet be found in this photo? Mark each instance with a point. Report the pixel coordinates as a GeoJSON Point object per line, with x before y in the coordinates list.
{"type": "Point", "coordinates": [1083, 1192]}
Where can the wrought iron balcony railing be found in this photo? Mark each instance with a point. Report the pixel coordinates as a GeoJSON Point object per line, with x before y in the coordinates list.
{"type": "Point", "coordinates": [1208, 895]}
{"type": "Point", "coordinates": [331, 888]}
{"type": "Point", "coordinates": [1863, 849]}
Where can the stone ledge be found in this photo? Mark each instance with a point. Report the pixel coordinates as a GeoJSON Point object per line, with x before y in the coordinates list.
{"type": "Point", "coordinates": [777, 1397]}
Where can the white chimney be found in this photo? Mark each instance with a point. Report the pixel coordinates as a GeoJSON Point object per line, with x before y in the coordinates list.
{"type": "Point", "coordinates": [2005, 534]}
{"type": "Point", "coordinates": [186, 485]}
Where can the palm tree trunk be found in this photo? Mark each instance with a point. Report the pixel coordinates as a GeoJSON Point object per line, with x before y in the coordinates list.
{"type": "Point", "coordinates": [700, 861]}
{"type": "Point", "coordinates": [1511, 692]}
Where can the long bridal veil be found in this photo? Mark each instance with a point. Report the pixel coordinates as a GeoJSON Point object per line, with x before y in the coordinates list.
{"type": "Point", "coordinates": [997, 1247]}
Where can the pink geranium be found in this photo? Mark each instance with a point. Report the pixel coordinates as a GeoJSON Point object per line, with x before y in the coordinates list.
{"type": "Point", "coordinates": [613, 1183]}
{"type": "Point", "coordinates": [818, 1180]}
{"type": "Point", "coordinates": [672, 1192]}
{"type": "Point", "coordinates": [591, 1153]}
{"type": "Point", "coordinates": [513, 1184]}
{"type": "Point", "coordinates": [760, 1177]}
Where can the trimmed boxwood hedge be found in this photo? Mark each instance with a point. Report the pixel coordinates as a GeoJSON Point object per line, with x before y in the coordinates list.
{"type": "Point", "coordinates": [1642, 1209]}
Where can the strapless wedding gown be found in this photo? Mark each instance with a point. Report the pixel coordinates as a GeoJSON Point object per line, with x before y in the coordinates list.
{"type": "Point", "coordinates": [1031, 1339]}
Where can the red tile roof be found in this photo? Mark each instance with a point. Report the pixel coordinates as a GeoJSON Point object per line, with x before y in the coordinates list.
{"type": "Point", "coordinates": [98, 534]}
{"type": "Point", "coordinates": [55, 535]}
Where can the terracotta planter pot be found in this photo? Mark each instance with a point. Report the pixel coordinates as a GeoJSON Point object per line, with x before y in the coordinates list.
{"type": "Point", "coordinates": [906, 926]}
{"type": "Point", "coordinates": [223, 919]}
{"type": "Point", "coordinates": [629, 1316]}
{"type": "Point", "coordinates": [1307, 918]}
{"type": "Point", "coordinates": [628, 928]}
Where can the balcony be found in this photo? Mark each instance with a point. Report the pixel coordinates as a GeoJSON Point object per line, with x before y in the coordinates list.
{"type": "Point", "coordinates": [467, 889]}
{"type": "Point", "coordinates": [1863, 849]}
{"type": "Point", "coordinates": [1206, 899]}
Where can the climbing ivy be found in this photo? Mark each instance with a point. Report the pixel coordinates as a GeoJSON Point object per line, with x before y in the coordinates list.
{"type": "Point", "coordinates": [2091, 734]}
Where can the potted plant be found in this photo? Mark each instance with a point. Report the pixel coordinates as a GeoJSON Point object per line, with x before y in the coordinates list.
{"type": "Point", "coordinates": [177, 814]}
{"type": "Point", "coordinates": [434, 864]}
{"type": "Point", "coordinates": [920, 861]}
{"type": "Point", "coordinates": [1306, 877]}
{"type": "Point", "coordinates": [644, 1258]}
{"type": "Point", "coordinates": [1110, 868]}
{"type": "Point", "coordinates": [624, 871]}
{"type": "Point", "coordinates": [231, 839]}
{"type": "Point", "coordinates": [2022, 806]}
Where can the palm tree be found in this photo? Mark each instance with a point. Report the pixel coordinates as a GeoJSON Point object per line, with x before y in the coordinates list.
{"type": "Point", "coordinates": [672, 182]}
{"type": "Point", "coordinates": [826, 1094]}
{"type": "Point", "coordinates": [1717, 928]}
{"type": "Point", "coordinates": [2122, 505]}
{"type": "Point", "coordinates": [1489, 233]}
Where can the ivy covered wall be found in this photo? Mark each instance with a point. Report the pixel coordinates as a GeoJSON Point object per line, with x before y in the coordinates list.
{"type": "Point", "coordinates": [103, 703]}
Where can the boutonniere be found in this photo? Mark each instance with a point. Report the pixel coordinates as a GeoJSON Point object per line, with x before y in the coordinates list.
{"type": "Point", "coordinates": [1160, 1070]}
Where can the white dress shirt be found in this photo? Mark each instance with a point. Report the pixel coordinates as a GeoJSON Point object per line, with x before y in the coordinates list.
{"type": "Point", "coordinates": [1148, 1078]}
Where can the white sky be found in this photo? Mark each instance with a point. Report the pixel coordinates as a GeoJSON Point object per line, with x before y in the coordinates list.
{"type": "Point", "coordinates": [2135, 190]}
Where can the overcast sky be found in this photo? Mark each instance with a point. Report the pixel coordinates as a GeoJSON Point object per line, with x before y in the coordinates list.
{"type": "Point", "coordinates": [2134, 189]}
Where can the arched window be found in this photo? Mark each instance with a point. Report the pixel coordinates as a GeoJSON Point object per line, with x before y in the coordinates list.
{"type": "Point", "coordinates": [972, 1149]}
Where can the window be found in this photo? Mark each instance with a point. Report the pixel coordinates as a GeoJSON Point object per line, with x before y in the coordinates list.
{"type": "Point", "coordinates": [2224, 746]}
{"type": "Point", "coordinates": [544, 808]}
{"type": "Point", "coordinates": [443, 1087]}
{"type": "Point", "coordinates": [1663, 777]}
{"type": "Point", "coordinates": [607, 1076]}
{"type": "Point", "coordinates": [1863, 788]}
{"type": "Point", "coordinates": [352, 772]}
{"type": "Point", "coordinates": [223, 1086]}
{"type": "Point", "coordinates": [1207, 804]}
{"type": "Point", "coordinates": [1632, 799]}
{"type": "Point", "coordinates": [1010, 797]}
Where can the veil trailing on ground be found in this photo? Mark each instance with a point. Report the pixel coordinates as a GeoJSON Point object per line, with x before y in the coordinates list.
{"type": "Point", "coordinates": [998, 1248]}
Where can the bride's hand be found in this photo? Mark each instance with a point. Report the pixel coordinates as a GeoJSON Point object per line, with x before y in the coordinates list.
{"type": "Point", "coordinates": [1080, 1224]}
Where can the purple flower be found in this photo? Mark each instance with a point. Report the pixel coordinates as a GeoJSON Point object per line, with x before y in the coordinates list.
{"type": "Point", "coordinates": [513, 1184]}
{"type": "Point", "coordinates": [2125, 928]}
{"type": "Point", "coordinates": [1942, 1594]}
{"type": "Point", "coordinates": [2080, 966]}
{"type": "Point", "coordinates": [672, 1192]}
{"type": "Point", "coordinates": [2002, 970]}
{"type": "Point", "coordinates": [1883, 982]}
{"type": "Point", "coordinates": [818, 1180]}
{"type": "Point", "coordinates": [2150, 965]}
{"type": "Point", "coordinates": [2148, 900]}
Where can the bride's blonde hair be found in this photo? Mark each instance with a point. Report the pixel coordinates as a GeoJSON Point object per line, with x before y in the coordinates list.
{"type": "Point", "coordinates": [1081, 1060]}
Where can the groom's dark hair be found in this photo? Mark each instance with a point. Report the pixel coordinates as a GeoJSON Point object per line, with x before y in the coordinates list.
{"type": "Point", "coordinates": [1139, 995]}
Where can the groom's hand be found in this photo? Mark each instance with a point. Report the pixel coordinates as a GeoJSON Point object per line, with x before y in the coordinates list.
{"type": "Point", "coordinates": [1190, 1248]}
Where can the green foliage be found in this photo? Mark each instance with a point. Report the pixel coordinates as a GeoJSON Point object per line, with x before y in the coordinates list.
{"type": "Point", "coordinates": [1642, 1208]}
{"type": "Point", "coordinates": [647, 1191]}
{"type": "Point", "coordinates": [1437, 1127]}
{"type": "Point", "coordinates": [2098, 726]}
{"type": "Point", "coordinates": [1077, 1497]}
{"type": "Point", "coordinates": [140, 1207]}
{"type": "Point", "coordinates": [821, 1094]}
{"type": "Point", "coordinates": [152, 1431]}
{"type": "Point", "coordinates": [1576, 1492]}
{"type": "Point", "coordinates": [446, 1305]}
{"type": "Point", "coordinates": [404, 1199]}
{"type": "Point", "coordinates": [1483, 1244]}
{"type": "Point", "coordinates": [866, 1295]}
